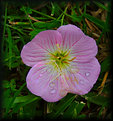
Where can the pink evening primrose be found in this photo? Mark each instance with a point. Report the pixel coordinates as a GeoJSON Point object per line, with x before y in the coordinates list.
{"type": "Point", "coordinates": [63, 61]}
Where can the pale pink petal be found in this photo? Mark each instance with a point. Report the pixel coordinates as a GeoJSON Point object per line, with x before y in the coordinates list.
{"type": "Point", "coordinates": [81, 46]}
{"type": "Point", "coordinates": [82, 77]}
{"type": "Point", "coordinates": [84, 50]}
{"type": "Point", "coordinates": [37, 50]}
{"type": "Point", "coordinates": [70, 34]}
{"type": "Point", "coordinates": [41, 81]}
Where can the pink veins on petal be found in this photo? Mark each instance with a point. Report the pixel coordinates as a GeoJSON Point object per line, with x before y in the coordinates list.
{"type": "Point", "coordinates": [63, 61]}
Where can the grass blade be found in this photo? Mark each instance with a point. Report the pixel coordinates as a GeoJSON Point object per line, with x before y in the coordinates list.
{"type": "Point", "coordinates": [63, 107]}
{"type": "Point", "coordinates": [12, 100]}
{"type": "Point", "coordinates": [10, 46]}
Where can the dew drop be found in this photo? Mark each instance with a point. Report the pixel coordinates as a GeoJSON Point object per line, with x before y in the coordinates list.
{"type": "Point", "coordinates": [43, 71]}
{"type": "Point", "coordinates": [63, 93]}
{"type": "Point", "coordinates": [51, 84]}
{"type": "Point", "coordinates": [40, 74]}
{"type": "Point", "coordinates": [52, 91]}
{"type": "Point", "coordinates": [87, 73]}
{"type": "Point", "coordinates": [81, 81]}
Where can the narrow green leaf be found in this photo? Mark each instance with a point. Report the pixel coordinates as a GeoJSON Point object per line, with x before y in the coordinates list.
{"type": "Point", "coordinates": [62, 107]}
{"type": "Point", "coordinates": [97, 99]}
{"type": "Point", "coordinates": [23, 99]}
{"type": "Point", "coordinates": [53, 9]}
{"type": "Point", "coordinates": [12, 100]}
{"type": "Point", "coordinates": [71, 112]}
{"type": "Point", "coordinates": [100, 5]}
{"type": "Point", "coordinates": [10, 46]}
{"type": "Point", "coordinates": [27, 12]}
{"type": "Point", "coordinates": [97, 21]}
{"type": "Point", "coordinates": [19, 30]}
{"type": "Point", "coordinates": [43, 14]}
{"type": "Point", "coordinates": [79, 107]}
{"type": "Point", "coordinates": [62, 19]}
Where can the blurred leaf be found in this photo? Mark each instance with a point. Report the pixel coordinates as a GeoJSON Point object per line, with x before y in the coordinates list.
{"type": "Point", "coordinates": [62, 106]}
{"type": "Point", "coordinates": [23, 101]}
{"type": "Point", "coordinates": [10, 46]}
{"type": "Point", "coordinates": [79, 107]}
{"type": "Point", "coordinates": [29, 110]}
{"type": "Point", "coordinates": [74, 16]}
{"type": "Point", "coordinates": [47, 25]}
{"type": "Point", "coordinates": [27, 9]}
{"type": "Point", "coordinates": [106, 64]}
{"type": "Point", "coordinates": [100, 5]}
{"type": "Point", "coordinates": [6, 98]}
{"type": "Point", "coordinates": [97, 21]}
{"type": "Point", "coordinates": [43, 14]}
{"type": "Point", "coordinates": [82, 116]}
{"type": "Point", "coordinates": [13, 84]}
{"type": "Point", "coordinates": [6, 84]}
{"type": "Point", "coordinates": [71, 111]}
{"type": "Point", "coordinates": [97, 99]}
{"type": "Point", "coordinates": [12, 100]}
{"type": "Point", "coordinates": [53, 9]}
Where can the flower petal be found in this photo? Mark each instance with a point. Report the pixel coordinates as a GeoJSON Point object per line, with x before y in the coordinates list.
{"type": "Point", "coordinates": [84, 50]}
{"type": "Point", "coordinates": [81, 46]}
{"type": "Point", "coordinates": [43, 81]}
{"type": "Point", "coordinates": [70, 34]}
{"type": "Point", "coordinates": [82, 81]}
{"type": "Point", "coordinates": [37, 50]}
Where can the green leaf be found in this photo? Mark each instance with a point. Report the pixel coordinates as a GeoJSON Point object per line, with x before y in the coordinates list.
{"type": "Point", "coordinates": [63, 105]}
{"type": "Point", "coordinates": [97, 21]}
{"type": "Point", "coordinates": [47, 25]}
{"type": "Point", "coordinates": [106, 64]}
{"type": "Point", "coordinates": [27, 9]}
{"type": "Point", "coordinates": [6, 98]}
{"type": "Point", "coordinates": [10, 46]}
{"type": "Point", "coordinates": [97, 99]}
{"type": "Point", "coordinates": [82, 116]}
{"type": "Point", "coordinates": [12, 100]}
{"type": "Point", "coordinates": [71, 112]}
{"type": "Point", "coordinates": [6, 84]}
{"type": "Point", "coordinates": [100, 5]}
{"type": "Point", "coordinates": [23, 99]}
{"type": "Point", "coordinates": [79, 107]}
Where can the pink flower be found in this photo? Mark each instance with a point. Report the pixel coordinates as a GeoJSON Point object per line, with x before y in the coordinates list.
{"type": "Point", "coordinates": [63, 61]}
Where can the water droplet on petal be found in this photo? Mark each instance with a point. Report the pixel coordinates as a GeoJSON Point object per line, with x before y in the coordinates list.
{"type": "Point", "coordinates": [43, 71]}
{"type": "Point", "coordinates": [52, 91]}
{"type": "Point", "coordinates": [63, 93]}
{"type": "Point", "coordinates": [81, 81]}
{"type": "Point", "coordinates": [51, 84]}
{"type": "Point", "coordinates": [40, 74]}
{"type": "Point", "coordinates": [87, 73]}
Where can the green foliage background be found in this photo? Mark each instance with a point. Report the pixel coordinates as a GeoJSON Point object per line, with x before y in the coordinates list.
{"type": "Point", "coordinates": [21, 22]}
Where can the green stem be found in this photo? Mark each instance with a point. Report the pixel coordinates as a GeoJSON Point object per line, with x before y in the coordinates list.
{"type": "Point", "coordinates": [64, 13]}
{"type": "Point", "coordinates": [43, 14]}
{"type": "Point", "coordinates": [29, 19]}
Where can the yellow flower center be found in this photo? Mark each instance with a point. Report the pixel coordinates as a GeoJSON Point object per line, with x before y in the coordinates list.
{"type": "Point", "coordinates": [60, 59]}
